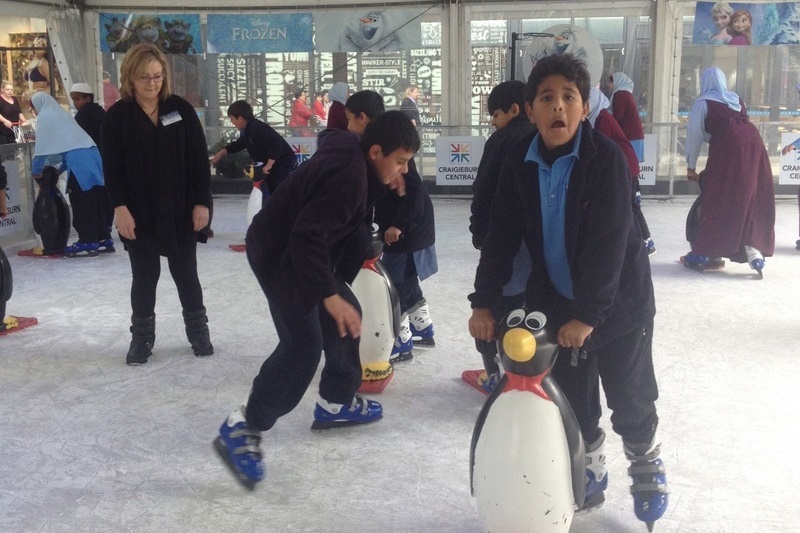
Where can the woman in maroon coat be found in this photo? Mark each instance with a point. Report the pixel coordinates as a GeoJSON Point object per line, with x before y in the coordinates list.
{"type": "Point", "coordinates": [737, 213]}
{"type": "Point", "coordinates": [624, 109]}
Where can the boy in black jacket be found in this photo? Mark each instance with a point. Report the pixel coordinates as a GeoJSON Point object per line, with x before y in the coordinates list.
{"type": "Point", "coordinates": [271, 154]}
{"type": "Point", "coordinates": [299, 247]}
{"type": "Point", "coordinates": [562, 194]}
{"type": "Point", "coordinates": [409, 236]}
{"type": "Point", "coordinates": [506, 105]}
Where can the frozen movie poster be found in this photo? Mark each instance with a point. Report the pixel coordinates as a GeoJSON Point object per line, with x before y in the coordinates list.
{"type": "Point", "coordinates": [723, 23]}
{"type": "Point", "coordinates": [247, 34]}
{"type": "Point", "coordinates": [174, 34]}
{"type": "Point", "coordinates": [371, 30]}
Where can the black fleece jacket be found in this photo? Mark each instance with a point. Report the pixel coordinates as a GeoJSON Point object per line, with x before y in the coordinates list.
{"type": "Point", "coordinates": [612, 285]}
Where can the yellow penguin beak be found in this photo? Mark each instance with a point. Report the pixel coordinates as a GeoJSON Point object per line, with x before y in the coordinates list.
{"type": "Point", "coordinates": [519, 344]}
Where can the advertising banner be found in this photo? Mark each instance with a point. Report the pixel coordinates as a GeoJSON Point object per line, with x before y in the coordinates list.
{"type": "Point", "coordinates": [739, 23]}
{"type": "Point", "coordinates": [257, 33]}
{"type": "Point", "coordinates": [647, 168]}
{"type": "Point", "coordinates": [173, 33]}
{"type": "Point", "coordinates": [381, 30]}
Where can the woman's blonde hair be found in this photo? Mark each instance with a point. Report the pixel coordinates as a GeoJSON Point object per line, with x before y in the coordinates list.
{"type": "Point", "coordinates": [410, 89]}
{"type": "Point", "coordinates": [134, 65]}
{"type": "Point", "coordinates": [722, 7]}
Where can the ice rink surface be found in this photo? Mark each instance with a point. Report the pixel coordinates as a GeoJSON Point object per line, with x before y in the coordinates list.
{"type": "Point", "coordinates": [89, 444]}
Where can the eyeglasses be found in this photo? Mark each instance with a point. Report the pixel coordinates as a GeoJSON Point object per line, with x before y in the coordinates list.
{"type": "Point", "coordinates": [158, 78]}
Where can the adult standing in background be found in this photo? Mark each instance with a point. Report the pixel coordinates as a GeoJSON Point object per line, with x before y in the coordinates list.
{"type": "Point", "coordinates": [320, 108]}
{"type": "Point", "coordinates": [737, 211]}
{"type": "Point", "coordinates": [158, 178]}
{"type": "Point", "coordinates": [10, 112]}
{"type": "Point", "coordinates": [337, 119]}
{"type": "Point", "coordinates": [409, 105]}
{"type": "Point", "coordinates": [300, 116]}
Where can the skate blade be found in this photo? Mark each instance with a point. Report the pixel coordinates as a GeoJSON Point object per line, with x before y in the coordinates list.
{"type": "Point", "coordinates": [222, 451]}
{"type": "Point", "coordinates": [401, 357]}
{"type": "Point", "coordinates": [423, 341]}
{"type": "Point", "coordinates": [333, 424]}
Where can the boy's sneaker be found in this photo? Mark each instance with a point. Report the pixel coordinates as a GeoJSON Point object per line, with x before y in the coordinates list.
{"type": "Point", "coordinates": [238, 446]}
{"type": "Point", "coordinates": [82, 249]}
{"type": "Point", "coordinates": [649, 488]}
{"type": "Point", "coordinates": [650, 246]}
{"type": "Point", "coordinates": [329, 415]}
{"type": "Point", "coordinates": [106, 246]}
{"type": "Point", "coordinates": [596, 475]}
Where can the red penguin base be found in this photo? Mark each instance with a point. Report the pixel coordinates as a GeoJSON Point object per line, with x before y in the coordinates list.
{"type": "Point", "coordinates": [38, 252]}
{"type": "Point", "coordinates": [473, 379]}
{"type": "Point", "coordinates": [22, 323]}
{"type": "Point", "coordinates": [238, 247]}
{"type": "Point", "coordinates": [375, 386]}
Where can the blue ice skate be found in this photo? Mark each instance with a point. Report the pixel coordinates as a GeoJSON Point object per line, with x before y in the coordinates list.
{"type": "Point", "coordinates": [755, 260]}
{"type": "Point", "coordinates": [649, 488]}
{"type": "Point", "coordinates": [650, 246]}
{"type": "Point", "coordinates": [106, 246]}
{"type": "Point", "coordinates": [402, 351]}
{"type": "Point", "coordinates": [421, 324]}
{"type": "Point", "coordinates": [82, 249]}
{"type": "Point", "coordinates": [360, 411]}
{"type": "Point", "coordinates": [238, 446]}
{"type": "Point", "coordinates": [490, 382]}
{"type": "Point", "coordinates": [596, 475]}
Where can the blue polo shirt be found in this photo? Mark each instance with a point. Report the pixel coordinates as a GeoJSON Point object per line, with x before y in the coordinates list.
{"type": "Point", "coordinates": [553, 184]}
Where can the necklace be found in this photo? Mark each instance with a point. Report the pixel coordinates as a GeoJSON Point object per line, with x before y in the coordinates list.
{"type": "Point", "coordinates": [151, 113]}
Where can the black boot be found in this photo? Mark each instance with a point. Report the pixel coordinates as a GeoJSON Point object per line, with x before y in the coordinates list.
{"type": "Point", "coordinates": [197, 331]}
{"type": "Point", "coordinates": [143, 330]}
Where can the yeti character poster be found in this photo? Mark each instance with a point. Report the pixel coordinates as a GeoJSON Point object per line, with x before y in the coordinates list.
{"type": "Point", "coordinates": [173, 34]}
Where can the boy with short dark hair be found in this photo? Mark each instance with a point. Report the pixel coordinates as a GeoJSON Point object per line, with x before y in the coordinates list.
{"type": "Point", "coordinates": [297, 246]}
{"type": "Point", "coordinates": [506, 105]}
{"type": "Point", "coordinates": [409, 237]}
{"type": "Point", "coordinates": [273, 158]}
{"type": "Point", "coordinates": [564, 192]}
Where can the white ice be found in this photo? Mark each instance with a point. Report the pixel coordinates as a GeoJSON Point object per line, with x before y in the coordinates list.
{"type": "Point", "coordinates": [90, 444]}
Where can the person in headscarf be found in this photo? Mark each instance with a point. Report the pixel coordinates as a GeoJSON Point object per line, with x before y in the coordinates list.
{"type": "Point", "coordinates": [737, 213]}
{"type": "Point", "coordinates": [603, 121]}
{"type": "Point", "coordinates": [337, 119]}
{"type": "Point", "coordinates": [59, 135]}
{"type": "Point", "coordinates": [624, 109]}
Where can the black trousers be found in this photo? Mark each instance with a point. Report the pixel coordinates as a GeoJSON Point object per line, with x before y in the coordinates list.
{"type": "Point", "coordinates": [146, 269]}
{"type": "Point", "coordinates": [90, 211]}
{"type": "Point", "coordinates": [625, 366]}
{"type": "Point", "coordinates": [286, 374]}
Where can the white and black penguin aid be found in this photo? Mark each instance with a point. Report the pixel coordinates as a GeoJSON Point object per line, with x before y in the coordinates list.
{"type": "Point", "coordinates": [527, 460]}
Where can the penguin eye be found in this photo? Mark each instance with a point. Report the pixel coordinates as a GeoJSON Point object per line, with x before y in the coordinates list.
{"type": "Point", "coordinates": [535, 320]}
{"type": "Point", "coordinates": [515, 318]}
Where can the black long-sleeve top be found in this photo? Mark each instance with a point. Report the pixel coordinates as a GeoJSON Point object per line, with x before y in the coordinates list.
{"type": "Point", "coordinates": [312, 227]}
{"type": "Point", "coordinates": [262, 142]}
{"type": "Point", "coordinates": [159, 172]}
{"type": "Point", "coordinates": [488, 174]}
{"type": "Point", "coordinates": [613, 289]}
{"type": "Point", "coordinates": [90, 118]}
{"type": "Point", "coordinates": [412, 214]}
